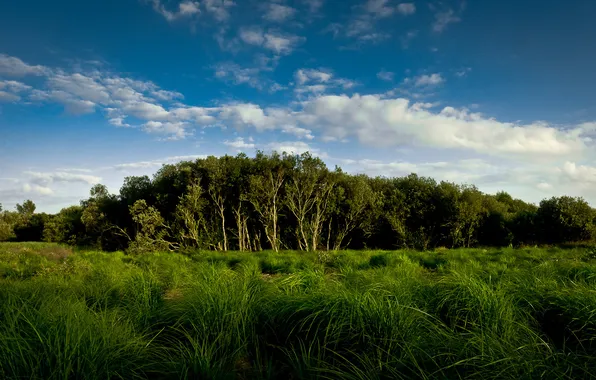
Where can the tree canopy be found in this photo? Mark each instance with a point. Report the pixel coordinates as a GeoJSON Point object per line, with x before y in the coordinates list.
{"type": "Point", "coordinates": [282, 201]}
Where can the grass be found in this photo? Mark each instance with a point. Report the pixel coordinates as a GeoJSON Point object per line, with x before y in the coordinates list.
{"type": "Point", "coordinates": [450, 314]}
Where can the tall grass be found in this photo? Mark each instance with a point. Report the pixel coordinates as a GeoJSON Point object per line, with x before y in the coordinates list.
{"type": "Point", "coordinates": [477, 313]}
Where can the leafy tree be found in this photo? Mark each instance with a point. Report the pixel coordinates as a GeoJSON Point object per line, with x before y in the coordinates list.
{"type": "Point", "coordinates": [194, 230]}
{"type": "Point", "coordinates": [564, 219]}
{"type": "Point", "coordinates": [356, 199]}
{"type": "Point", "coordinates": [152, 232]}
{"type": "Point", "coordinates": [307, 197]}
{"type": "Point", "coordinates": [265, 195]}
{"type": "Point", "coordinates": [26, 209]}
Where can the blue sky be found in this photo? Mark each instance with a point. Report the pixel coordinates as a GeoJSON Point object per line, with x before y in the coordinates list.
{"type": "Point", "coordinates": [495, 93]}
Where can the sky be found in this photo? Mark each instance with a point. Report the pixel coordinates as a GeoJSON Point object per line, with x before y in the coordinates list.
{"type": "Point", "coordinates": [495, 93]}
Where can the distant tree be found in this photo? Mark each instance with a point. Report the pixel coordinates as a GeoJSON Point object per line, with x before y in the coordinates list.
{"type": "Point", "coordinates": [135, 188]}
{"type": "Point", "coordinates": [193, 228]}
{"type": "Point", "coordinates": [307, 197]}
{"type": "Point", "coordinates": [354, 199]}
{"type": "Point", "coordinates": [564, 219]}
{"type": "Point", "coordinates": [266, 197]}
{"type": "Point", "coordinates": [105, 221]}
{"type": "Point", "coordinates": [152, 233]}
{"type": "Point", "coordinates": [26, 209]}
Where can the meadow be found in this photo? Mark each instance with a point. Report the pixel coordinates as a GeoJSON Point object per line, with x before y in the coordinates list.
{"type": "Point", "coordinates": [442, 314]}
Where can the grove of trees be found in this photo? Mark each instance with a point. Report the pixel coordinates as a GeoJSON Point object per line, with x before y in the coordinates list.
{"type": "Point", "coordinates": [282, 201]}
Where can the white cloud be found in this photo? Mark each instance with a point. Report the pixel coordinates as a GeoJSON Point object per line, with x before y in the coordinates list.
{"type": "Point", "coordinates": [463, 72]}
{"type": "Point", "coordinates": [40, 190]}
{"type": "Point", "coordinates": [118, 122]}
{"type": "Point", "coordinates": [444, 18]}
{"type": "Point", "coordinates": [428, 80]}
{"type": "Point", "coordinates": [13, 86]}
{"type": "Point", "coordinates": [220, 9]}
{"type": "Point", "coordinates": [45, 178]}
{"type": "Point", "coordinates": [72, 104]}
{"type": "Point", "coordinates": [379, 8]}
{"type": "Point", "coordinates": [394, 122]}
{"type": "Point", "coordinates": [235, 74]}
{"type": "Point", "coordinates": [312, 75]}
{"type": "Point", "coordinates": [544, 186]}
{"type": "Point", "coordinates": [186, 9]}
{"type": "Point", "coordinates": [252, 36]}
{"type": "Point", "coordinates": [459, 171]}
{"type": "Point", "coordinates": [293, 147]}
{"type": "Point", "coordinates": [318, 81]}
{"type": "Point", "coordinates": [167, 95]}
{"type": "Point", "coordinates": [407, 38]}
{"type": "Point", "coordinates": [239, 144]}
{"type": "Point", "coordinates": [279, 12]}
{"type": "Point", "coordinates": [406, 8]}
{"type": "Point", "coordinates": [282, 44]}
{"type": "Point", "coordinates": [152, 164]}
{"type": "Point", "coordinates": [377, 120]}
{"type": "Point", "coordinates": [13, 66]}
{"type": "Point", "coordinates": [8, 97]}
{"type": "Point", "coordinates": [313, 5]}
{"type": "Point", "coordinates": [385, 75]}
{"type": "Point", "coordinates": [174, 130]}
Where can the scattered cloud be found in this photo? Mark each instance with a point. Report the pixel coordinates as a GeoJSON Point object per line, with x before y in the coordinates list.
{"type": "Point", "coordinates": [186, 9]}
{"type": "Point", "coordinates": [376, 120]}
{"type": "Point", "coordinates": [165, 96]}
{"type": "Point", "coordinates": [406, 9]}
{"type": "Point", "coordinates": [240, 145]}
{"type": "Point", "coordinates": [407, 38]}
{"type": "Point", "coordinates": [46, 178]}
{"type": "Point", "coordinates": [385, 75]}
{"type": "Point", "coordinates": [152, 164]}
{"type": "Point", "coordinates": [279, 12]}
{"type": "Point", "coordinates": [294, 147]}
{"type": "Point", "coordinates": [318, 81]}
{"type": "Point", "coordinates": [428, 80]}
{"type": "Point", "coordinates": [36, 189]}
{"type": "Point", "coordinates": [363, 24]}
{"type": "Point", "coordinates": [379, 8]}
{"type": "Point", "coordinates": [173, 130]}
{"type": "Point", "coordinates": [463, 72]}
{"type": "Point", "coordinates": [8, 97]}
{"type": "Point", "coordinates": [220, 9]}
{"type": "Point", "coordinates": [233, 73]}
{"type": "Point", "coordinates": [12, 66]}
{"type": "Point", "coordinates": [281, 44]}
{"type": "Point", "coordinates": [446, 16]}
{"type": "Point", "coordinates": [314, 5]}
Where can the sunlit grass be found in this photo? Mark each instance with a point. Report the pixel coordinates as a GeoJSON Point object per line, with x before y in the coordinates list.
{"type": "Point", "coordinates": [450, 314]}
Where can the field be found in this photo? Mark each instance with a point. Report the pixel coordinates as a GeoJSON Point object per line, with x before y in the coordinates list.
{"type": "Point", "coordinates": [448, 314]}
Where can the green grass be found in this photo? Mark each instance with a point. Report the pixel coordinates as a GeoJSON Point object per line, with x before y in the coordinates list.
{"type": "Point", "coordinates": [451, 314]}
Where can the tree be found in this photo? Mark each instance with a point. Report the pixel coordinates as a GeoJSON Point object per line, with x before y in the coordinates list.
{"type": "Point", "coordinates": [307, 196]}
{"type": "Point", "coordinates": [26, 209]}
{"type": "Point", "coordinates": [565, 218]}
{"type": "Point", "coordinates": [193, 228]}
{"type": "Point", "coordinates": [219, 187]}
{"type": "Point", "coordinates": [265, 195]}
{"type": "Point", "coordinates": [355, 200]}
{"type": "Point", "coordinates": [424, 220]}
{"type": "Point", "coordinates": [137, 188]}
{"type": "Point", "coordinates": [104, 220]}
{"type": "Point", "coordinates": [152, 232]}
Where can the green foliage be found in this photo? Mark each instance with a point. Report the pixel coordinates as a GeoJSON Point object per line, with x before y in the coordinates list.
{"type": "Point", "coordinates": [565, 219]}
{"type": "Point", "coordinates": [451, 314]}
{"type": "Point", "coordinates": [282, 201]}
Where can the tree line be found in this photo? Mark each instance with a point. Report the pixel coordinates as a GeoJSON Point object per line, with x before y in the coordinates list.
{"type": "Point", "coordinates": [283, 201]}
